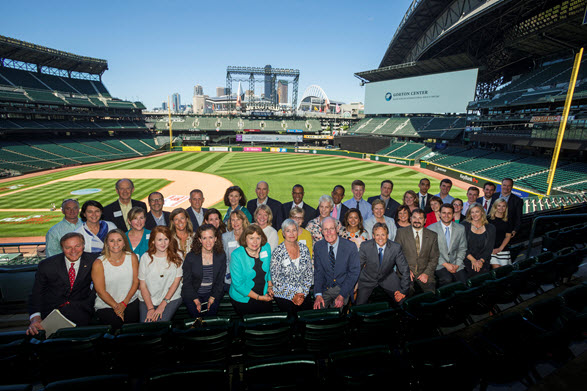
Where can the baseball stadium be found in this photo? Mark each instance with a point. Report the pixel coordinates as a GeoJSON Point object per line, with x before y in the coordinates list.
{"type": "Point", "coordinates": [476, 91]}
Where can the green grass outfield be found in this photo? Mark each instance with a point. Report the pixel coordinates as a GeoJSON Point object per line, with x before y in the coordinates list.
{"type": "Point", "coordinates": [318, 174]}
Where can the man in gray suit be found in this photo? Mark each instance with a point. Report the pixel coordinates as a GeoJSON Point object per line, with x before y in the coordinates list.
{"type": "Point", "coordinates": [452, 245]}
{"type": "Point", "coordinates": [420, 247]}
{"type": "Point", "coordinates": [336, 267]}
{"type": "Point", "coordinates": [378, 257]}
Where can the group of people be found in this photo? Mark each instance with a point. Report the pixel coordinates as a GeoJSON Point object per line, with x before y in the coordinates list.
{"type": "Point", "coordinates": [125, 265]}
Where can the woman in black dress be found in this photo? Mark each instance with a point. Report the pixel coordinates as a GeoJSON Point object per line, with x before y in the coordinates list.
{"type": "Point", "coordinates": [480, 240]}
{"type": "Point", "coordinates": [503, 233]}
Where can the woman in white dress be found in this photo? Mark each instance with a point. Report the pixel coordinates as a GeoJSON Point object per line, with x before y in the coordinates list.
{"type": "Point", "coordinates": [160, 273]}
{"type": "Point", "coordinates": [115, 278]}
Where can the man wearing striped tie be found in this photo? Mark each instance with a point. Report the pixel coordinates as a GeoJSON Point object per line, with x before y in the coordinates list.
{"type": "Point", "coordinates": [420, 247]}
{"type": "Point", "coordinates": [336, 267]}
{"type": "Point", "coordinates": [383, 264]}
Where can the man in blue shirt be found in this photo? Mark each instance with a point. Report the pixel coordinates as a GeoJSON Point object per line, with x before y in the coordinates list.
{"type": "Point", "coordinates": [70, 222]}
{"type": "Point", "coordinates": [358, 189]}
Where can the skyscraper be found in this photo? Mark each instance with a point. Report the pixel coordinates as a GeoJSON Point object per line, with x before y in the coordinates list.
{"type": "Point", "coordinates": [282, 91]}
{"type": "Point", "coordinates": [268, 84]}
{"type": "Point", "coordinates": [198, 90]}
{"type": "Point", "coordinates": [175, 102]}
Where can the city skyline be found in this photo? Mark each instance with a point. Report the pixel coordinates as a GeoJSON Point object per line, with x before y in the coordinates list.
{"type": "Point", "coordinates": [327, 41]}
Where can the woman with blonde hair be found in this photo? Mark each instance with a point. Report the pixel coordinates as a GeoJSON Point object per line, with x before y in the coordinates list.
{"type": "Point", "coordinates": [160, 274]}
{"type": "Point", "coordinates": [411, 200]}
{"type": "Point", "coordinates": [182, 230]}
{"type": "Point", "coordinates": [498, 216]}
{"type": "Point", "coordinates": [480, 240]}
{"type": "Point", "coordinates": [263, 218]}
{"type": "Point", "coordinates": [115, 278]}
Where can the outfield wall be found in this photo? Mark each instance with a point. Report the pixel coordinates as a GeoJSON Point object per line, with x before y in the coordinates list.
{"type": "Point", "coordinates": [314, 151]}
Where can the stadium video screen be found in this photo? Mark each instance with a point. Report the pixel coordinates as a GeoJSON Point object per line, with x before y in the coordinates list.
{"type": "Point", "coordinates": [439, 93]}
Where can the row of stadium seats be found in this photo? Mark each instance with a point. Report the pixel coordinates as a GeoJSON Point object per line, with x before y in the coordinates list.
{"type": "Point", "coordinates": [445, 128]}
{"type": "Point", "coordinates": [27, 95]}
{"type": "Point", "coordinates": [545, 84]}
{"type": "Point", "coordinates": [80, 124]}
{"type": "Point", "coordinates": [539, 328]}
{"type": "Point", "coordinates": [529, 172]}
{"type": "Point", "coordinates": [33, 155]}
{"type": "Point", "coordinates": [42, 81]}
{"type": "Point", "coordinates": [31, 87]}
{"type": "Point", "coordinates": [235, 124]}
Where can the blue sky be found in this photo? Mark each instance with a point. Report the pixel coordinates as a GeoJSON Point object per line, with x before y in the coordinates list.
{"type": "Point", "coordinates": [156, 48]}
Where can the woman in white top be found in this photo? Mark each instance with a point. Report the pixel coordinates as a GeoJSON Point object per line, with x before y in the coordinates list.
{"type": "Point", "coordinates": [237, 222]}
{"type": "Point", "coordinates": [115, 279]}
{"type": "Point", "coordinates": [94, 228]}
{"type": "Point", "coordinates": [263, 218]}
{"type": "Point", "coordinates": [378, 208]}
{"type": "Point", "coordinates": [160, 274]}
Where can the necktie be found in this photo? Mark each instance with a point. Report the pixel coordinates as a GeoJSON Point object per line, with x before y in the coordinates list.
{"type": "Point", "coordinates": [485, 206]}
{"type": "Point", "coordinates": [422, 202]}
{"type": "Point", "coordinates": [380, 255]}
{"type": "Point", "coordinates": [417, 243]}
{"type": "Point", "coordinates": [334, 212]}
{"type": "Point", "coordinates": [358, 205]}
{"type": "Point", "coordinates": [447, 236]}
{"type": "Point", "coordinates": [331, 256]}
{"type": "Point", "coordinates": [71, 276]}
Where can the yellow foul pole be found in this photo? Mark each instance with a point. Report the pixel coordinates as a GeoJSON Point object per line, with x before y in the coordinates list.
{"type": "Point", "coordinates": [170, 132]}
{"type": "Point", "coordinates": [563, 125]}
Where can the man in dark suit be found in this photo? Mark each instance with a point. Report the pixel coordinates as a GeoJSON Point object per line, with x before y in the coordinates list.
{"type": "Point", "coordinates": [378, 257]}
{"type": "Point", "coordinates": [420, 247]}
{"type": "Point", "coordinates": [63, 282]}
{"type": "Point", "coordinates": [515, 204]}
{"type": "Point", "coordinates": [195, 211]}
{"type": "Point", "coordinates": [391, 205]}
{"type": "Point", "coordinates": [297, 194]}
{"type": "Point", "coordinates": [262, 191]}
{"type": "Point", "coordinates": [336, 267]}
{"type": "Point", "coordinates": [423, 195]}
{"type": "Point", "coordinates": [117, 212]}
{"type": "Point", "coordinates": [156, 216]}
{"type": "Point", "coordinates": [488, 196]}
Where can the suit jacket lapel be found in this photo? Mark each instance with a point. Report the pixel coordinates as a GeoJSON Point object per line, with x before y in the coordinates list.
{"type": "Point", "coordinates": [84, 268]}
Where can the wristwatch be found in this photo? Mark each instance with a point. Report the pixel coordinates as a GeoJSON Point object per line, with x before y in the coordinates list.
{"type": "Point", "coordinates": [167, 300]}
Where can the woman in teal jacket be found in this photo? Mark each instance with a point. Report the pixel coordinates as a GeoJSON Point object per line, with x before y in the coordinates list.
{"type": "Point", "coordinates": [251, 291]}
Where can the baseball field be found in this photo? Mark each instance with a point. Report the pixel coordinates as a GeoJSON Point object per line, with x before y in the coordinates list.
{"type": "Point", "coordinates": [30, 205]}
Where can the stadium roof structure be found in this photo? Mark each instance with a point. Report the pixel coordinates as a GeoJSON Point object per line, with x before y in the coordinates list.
{"type": "Point", "coordinates": [500, 37]}
{"type": "Point", "coordinates": [17, 50]}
